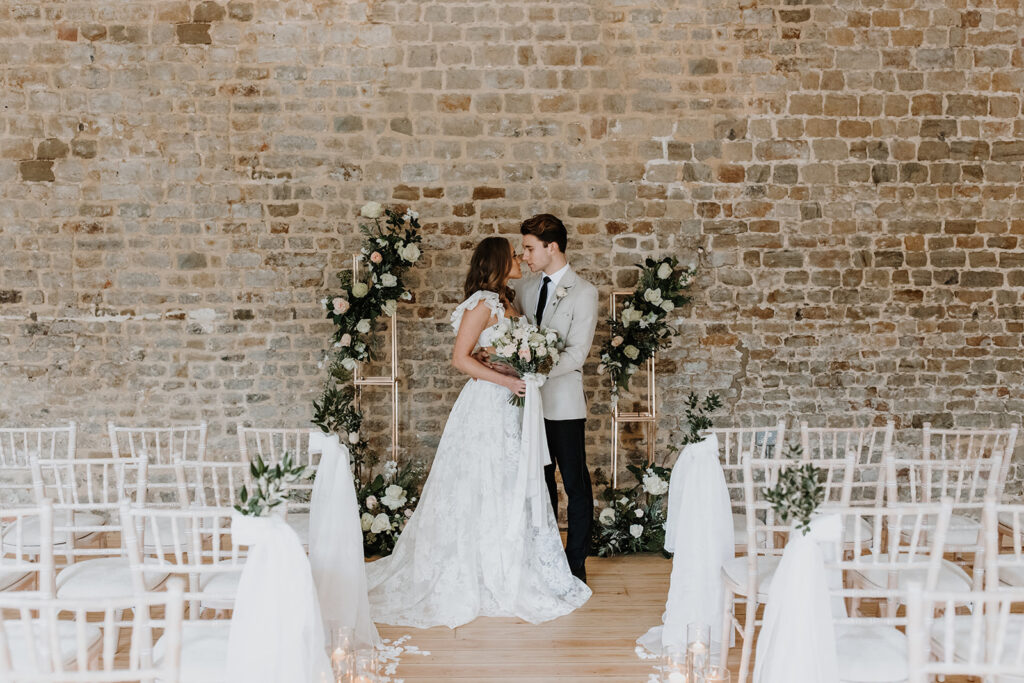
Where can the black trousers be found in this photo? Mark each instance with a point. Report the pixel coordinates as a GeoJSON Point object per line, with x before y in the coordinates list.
{"type": "Point", "coordinates": [566, 442]}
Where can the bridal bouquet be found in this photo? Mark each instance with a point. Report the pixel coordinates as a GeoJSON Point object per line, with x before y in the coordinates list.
{"type": "Point", "coordinates": [527, 349]}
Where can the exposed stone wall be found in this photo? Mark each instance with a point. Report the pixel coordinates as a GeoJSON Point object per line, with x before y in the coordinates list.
{"type": "Point", "coordinates": [179, 184]}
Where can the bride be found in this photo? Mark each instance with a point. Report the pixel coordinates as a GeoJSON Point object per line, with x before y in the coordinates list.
{"type": "Point", "coordinates": [461, 556]}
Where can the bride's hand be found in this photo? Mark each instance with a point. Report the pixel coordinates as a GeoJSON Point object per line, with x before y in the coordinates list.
{"type": "Point", "coordinates": [516, 386]}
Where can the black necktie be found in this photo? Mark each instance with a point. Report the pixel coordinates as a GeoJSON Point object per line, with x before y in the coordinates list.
{"type": "Point", "coordinates": [543, 300]}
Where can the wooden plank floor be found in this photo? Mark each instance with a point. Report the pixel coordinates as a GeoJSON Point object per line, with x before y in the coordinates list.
{"type": "Point", "coordinates": [596, 642]}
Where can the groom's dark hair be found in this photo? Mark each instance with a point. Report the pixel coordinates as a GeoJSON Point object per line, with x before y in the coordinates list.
{"type": "Point", "coordinates": [547, 229]}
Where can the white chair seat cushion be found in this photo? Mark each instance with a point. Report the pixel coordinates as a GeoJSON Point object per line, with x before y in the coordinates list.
{"type": "Point", "coordinates": [299, 522]}
{"type": "Point", "coordinates": [29, 527]}
{"type": "Point", "coordinates": [871, 654]}
{"type": "Point", "coordinates": [867, 534]}
{"type": "Point", "coordinates": [963, 530]}
{"type": "Point", "coordinates": [218, 590]}
{"type": "Point", "coordinates": [1006, 519]}
{"type": "Point", "coordinates": [204, 650]}
{"type": "Point", "coordinates": [962, 625]}
{"type": "Point", "coordinates": [165, 530]}
{"type": "Point", "coordinates": [1011, 576]}
{"type": "Point", "coordinates": [951, 576]}
{"type": "Point", "coordinates": [104, 577]}
{"type": "Point", "coordinates": [735, 570]}
{"type": "Point", "coordinates": [11, 577]}
{"type": "Point", "coordinates": [66, 635]}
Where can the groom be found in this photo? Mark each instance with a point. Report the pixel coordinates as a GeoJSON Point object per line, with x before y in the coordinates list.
{"type": "Point", "coordinates": [557, 298]}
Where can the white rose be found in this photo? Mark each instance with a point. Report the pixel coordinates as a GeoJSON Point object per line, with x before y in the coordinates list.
{"type": "Point", "coordinates": [636, 530]}
{"type": "Point", "coordinates": [366, 521]}
{"type": "Point", "coordinates": [667, 306]}
{"type": "Point", "coordinates": [664, 271]}
{"type": "Point", "coordinates": [541, 350]}
{"type": "Point", "coordinates": [371, 210]}
{"type": "Point", "coordinates": [388, 280]}
{"type": "Point", "coordinates": [629, 315]}
{"type": "Point", "coordinates": [607, 516]}
{"type": "Point", "coordinates": [394, 497]}
{"type": "Point", "coordinates": [353, 437]}
{"type": "Point", "coordinates": [638, 512]}
{"type": "Point", "coordinates": [359, 289]}
{"type": "Point", "coordinates": [363, 326]}
{"type": "Point", "coordinates": [371, 502]}
{"type": "Point", "coordinates": [410, 253]}
{"type": "Point", "coordinates": [653, 296]}
{"type": "Point", "coordinates": [348, 363]}
{"type": "Point", "coordinates": [390, 306]}
{"type": "Point", "coordinates": [408, 512]}
{"type": "Point", "coordinates": [623, 500]}
{"type": "Point", "coordinates": [655, 485]}
{"type": "Point", "coordinates": [380, 523]}
{"type": "Point", "coordinates": [631, 352]}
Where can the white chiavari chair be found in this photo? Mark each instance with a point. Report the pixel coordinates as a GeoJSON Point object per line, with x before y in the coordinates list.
{"type": "Point", "coordinates": [870, 647]}
{"type": "Point", "coordinates": [38, 646]}
{"type": "Point", "coordinates": [17, 447]}
{"type": "Point", "coordinates": [867, 444]}
{"type": "Point", "coordinates": [211, 483]}
{"type": "Point", "coordinates": [82, 490]}
{"type": "Point", "coordinates": [734, 445]}
{"type": "Point", "coordinates": [200, 549]}
{"type": "Point", "coordinates": [161, 447]}
{"type": "Point", "coordinates": [271, 444]}
{"type": "Point", "coordinates": [967, 482]}
{"type": "Point", "coordinates": [1004, 564]}
{"type": "Point", "coordinates": [24, 565]}
{"type": "Point", "coordinates": [987, 643]}
{"type": "Point", "coordinates": [967, 444]}
{"type": "Point", "coordinates": [747, 578]}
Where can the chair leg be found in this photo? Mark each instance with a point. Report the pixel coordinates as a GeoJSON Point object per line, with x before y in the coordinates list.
{"type": "Point", "coordinates": [728, 609]}
{"type": "Point", "coordinates": [749, 618]}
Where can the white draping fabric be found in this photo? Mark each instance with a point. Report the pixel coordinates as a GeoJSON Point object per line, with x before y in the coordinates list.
{"type": "Point", "coordinates": [799, 611]}
{"type": "Point", "coordinates": [530, 484]}
{"type": "Point", "coordinates": [699, 530]}
{"type": "Point", "coordinates": [276, 634]}
{"type": "Point", "coordinates": [336, 543]}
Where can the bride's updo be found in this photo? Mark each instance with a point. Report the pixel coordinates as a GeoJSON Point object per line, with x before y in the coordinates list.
{"type": "Point", "coordinates": [490, 267]}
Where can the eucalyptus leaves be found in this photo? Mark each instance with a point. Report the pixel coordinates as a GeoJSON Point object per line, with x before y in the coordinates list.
{"type": "Point", "coordinates": [272, 485]}
{"type": "Point", "coordinates": [797, 493]}
{"type": "Point", "coordinates": [642, 326]}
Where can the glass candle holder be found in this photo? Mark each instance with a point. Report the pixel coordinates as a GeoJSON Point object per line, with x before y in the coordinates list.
{"type": "Point", "coordinates": [673, 665]}
{"type": "Point", "coordinates": [715, 674]}
{"type": "Point", "coordinates": [343, 652]}
{"type": "Point", "coordinates": [367, 666]}
{"type": "Point", "coordinates": [698, 650]}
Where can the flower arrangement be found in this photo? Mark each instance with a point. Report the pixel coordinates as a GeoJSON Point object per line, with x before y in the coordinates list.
{"type": "Point", "coordinates": [632, 519]}
{"type": "Point", "coordinates": [271, 485]}
{"type": "Point", "coordinates": [390, 248]}
{"type": "Point", "coordinates": [385, 504]}
{"type": "Point", "coordinates": [526, 349]}
{"type": "Point", "coordinates": [797, 493]}
{"type": "Point", "coordinates": [642, 326]}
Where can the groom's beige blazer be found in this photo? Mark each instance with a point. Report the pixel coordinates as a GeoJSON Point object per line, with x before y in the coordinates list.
{"type": "Point", "coordinates": [574, 317]}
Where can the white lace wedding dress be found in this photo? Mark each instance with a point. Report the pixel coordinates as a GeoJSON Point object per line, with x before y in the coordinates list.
{"type": "Point", "coordinates": [459, 556]}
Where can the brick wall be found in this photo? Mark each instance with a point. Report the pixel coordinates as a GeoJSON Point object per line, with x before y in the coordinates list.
{"type": "Point", "coordinates": [179, 184]}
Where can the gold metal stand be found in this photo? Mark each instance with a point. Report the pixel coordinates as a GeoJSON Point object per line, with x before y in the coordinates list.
{"type": "Point", "coordinates": [648, 417]}
{"type": "Point", "coordinates": [389, 380]}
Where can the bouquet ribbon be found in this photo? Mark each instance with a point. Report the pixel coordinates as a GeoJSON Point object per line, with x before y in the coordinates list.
{"type": "Point", "coordinates": [530, 484]}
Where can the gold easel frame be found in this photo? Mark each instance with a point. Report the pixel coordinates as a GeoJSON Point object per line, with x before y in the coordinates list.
{"type": "Point", "coordinates": [648, 417]}
{"type": "Point", "coordinates": [389, 380]}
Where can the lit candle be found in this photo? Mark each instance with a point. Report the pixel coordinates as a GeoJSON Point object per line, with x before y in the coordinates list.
{"type": "Point", "coordinates": [696, 659]}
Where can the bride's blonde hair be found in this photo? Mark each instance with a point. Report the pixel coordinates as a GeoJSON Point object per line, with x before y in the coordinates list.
{"type": "Point", "coordinates": [489, 268]}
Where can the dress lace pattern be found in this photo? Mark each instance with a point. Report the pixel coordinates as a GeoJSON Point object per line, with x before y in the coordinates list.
{"type": "Point", "coordinates": [458, 558]}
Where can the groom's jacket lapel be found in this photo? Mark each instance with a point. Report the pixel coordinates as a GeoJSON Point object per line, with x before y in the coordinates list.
{"type": "Point", "coordinates": [568, 280]}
